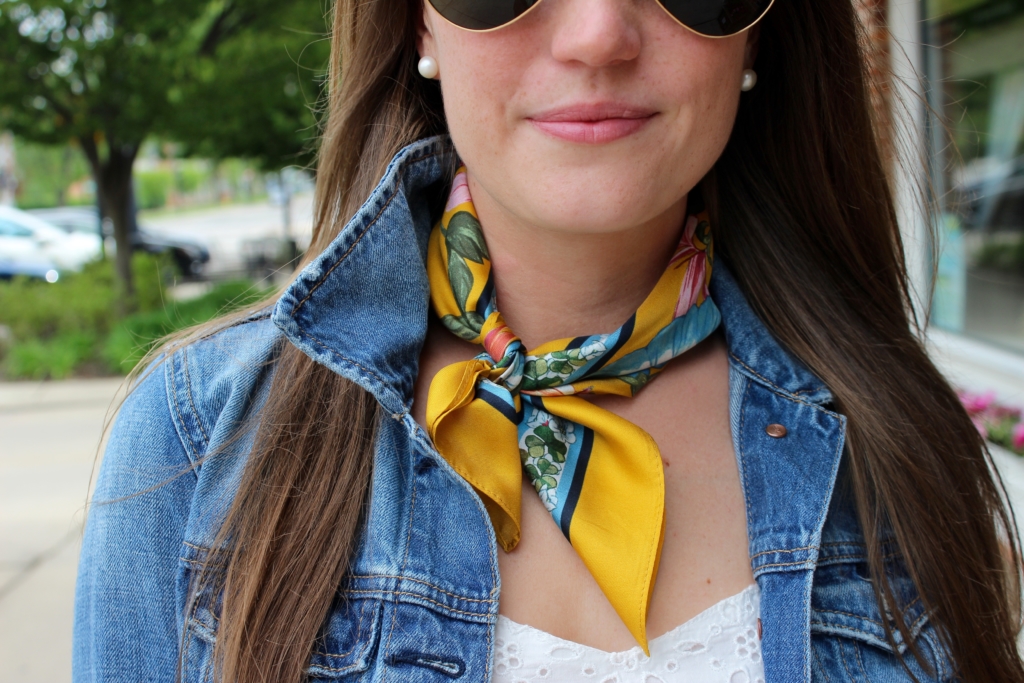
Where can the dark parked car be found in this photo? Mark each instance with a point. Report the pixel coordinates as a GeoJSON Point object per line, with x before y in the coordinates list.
{"type": "Point", "coordinates": [190, 256]}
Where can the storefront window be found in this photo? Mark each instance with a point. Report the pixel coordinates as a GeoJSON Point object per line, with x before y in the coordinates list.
{"type": "Point", "coordinates": [975, 67]}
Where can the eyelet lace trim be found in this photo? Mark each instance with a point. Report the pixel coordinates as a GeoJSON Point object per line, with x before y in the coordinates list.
{"type": "Point", "coordinates": [718, 645]}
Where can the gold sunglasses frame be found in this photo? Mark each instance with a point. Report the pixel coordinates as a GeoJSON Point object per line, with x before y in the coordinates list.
{"type": "Point", "coordinates": [534, 5]}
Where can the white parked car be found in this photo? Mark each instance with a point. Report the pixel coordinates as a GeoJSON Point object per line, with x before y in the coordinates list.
{"type": "Point", "coordinates": [24, 236]}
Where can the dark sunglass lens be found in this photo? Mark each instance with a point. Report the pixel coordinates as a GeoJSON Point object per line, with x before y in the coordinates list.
{"type": "Point", "coordinates": [480, 15]}
{"type": "Point", "coordinates": [716, 17]}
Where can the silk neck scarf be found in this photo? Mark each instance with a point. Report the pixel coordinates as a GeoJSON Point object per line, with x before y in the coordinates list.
{"type": "Point", "coordinates": [512, 411]}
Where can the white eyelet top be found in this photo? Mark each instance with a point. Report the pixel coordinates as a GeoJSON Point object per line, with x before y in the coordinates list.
{"type": "Point", "coordinates": [719, 645]}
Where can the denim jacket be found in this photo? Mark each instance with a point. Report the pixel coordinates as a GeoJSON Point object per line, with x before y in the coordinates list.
{"type": "Point", "coordinates": [420, 601]}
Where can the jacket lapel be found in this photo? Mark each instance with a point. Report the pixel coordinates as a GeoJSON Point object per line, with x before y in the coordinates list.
{"type": "Point", "coordinates": [788, 446]}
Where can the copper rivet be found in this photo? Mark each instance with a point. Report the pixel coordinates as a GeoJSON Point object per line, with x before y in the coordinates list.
{"type": "Point", "coordinates": [760, 631]}
{"type": "Point", "coordinates": [776, 431]}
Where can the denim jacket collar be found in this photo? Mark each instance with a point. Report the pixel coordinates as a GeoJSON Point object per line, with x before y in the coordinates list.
{"type": "Point", "coordinates": [379, 257]}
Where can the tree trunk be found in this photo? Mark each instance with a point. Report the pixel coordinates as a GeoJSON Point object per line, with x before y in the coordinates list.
{"type": "Point", "coordinates": [113, 176]}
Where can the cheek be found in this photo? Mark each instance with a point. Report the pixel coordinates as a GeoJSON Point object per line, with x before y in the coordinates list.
{"type": "Point", "coordinates": [700, 81]}
{"type": "Point", "coordinates": [480, 78]}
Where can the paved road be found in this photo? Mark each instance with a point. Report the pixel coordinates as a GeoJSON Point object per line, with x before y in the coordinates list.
{"type": "Point", "coordinates": [49, 434]}
{"type": "Point", "coordinates": [231, 232]}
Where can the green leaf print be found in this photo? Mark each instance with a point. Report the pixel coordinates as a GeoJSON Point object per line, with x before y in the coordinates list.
{"type": "Point", "coordinates": [532, 471]}
{"type": "Point", "coordinates": [549, 482]}
{"type": "Point", "coordinates": [533, 441]}
{"type": "Point", "coordinates": [464, 237]}
{"type": "Point", "coordinates": [545, 434]}
{"type": "Point", "coordinates": [474, 320]}
{"type": "Point", "coordinates": [524, 455]}
{"type": "Point", "coordinates": [558, 451]}
{"type": "Point", "coordinates": [461, 279]}
{"type": "Point", "coordinates": [457, 324]}
{"type": "Point", "coordinates": [560, 367]}
{"type": "Point", "coordinates": [636, 382]}
{"type": "Point", "coordinates": [546, 467]}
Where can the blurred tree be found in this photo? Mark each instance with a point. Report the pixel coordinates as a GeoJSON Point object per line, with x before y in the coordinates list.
{"type": "Point", "coordinates": [224, 77]}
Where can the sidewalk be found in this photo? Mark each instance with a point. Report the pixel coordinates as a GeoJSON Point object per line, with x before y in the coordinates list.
{"type": "Point", "coordinates": [50, 438]}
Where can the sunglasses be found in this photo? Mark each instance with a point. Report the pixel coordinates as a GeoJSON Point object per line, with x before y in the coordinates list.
{"type": "Point", "coordinates": [710, 18]}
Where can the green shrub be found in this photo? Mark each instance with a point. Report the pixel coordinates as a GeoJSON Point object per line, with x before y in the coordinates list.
{"type": "Point", "coordinates": [55, 358]}
{"type": "Point", "coordinates": [134, 336]}
{"type": "Point", "coordinates": [152, 187]}
{"type": "Point", "coordinates": [61, 327]}
{"type": "Point", "coordinates": [191, 178]}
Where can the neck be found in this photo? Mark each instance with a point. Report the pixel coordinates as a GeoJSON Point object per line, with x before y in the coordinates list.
{"type": "Point", "coordinates": [554, 284]}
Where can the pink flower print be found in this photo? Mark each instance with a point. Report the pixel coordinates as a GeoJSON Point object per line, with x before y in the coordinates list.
{"type": "Point", "coordinates": [695, 280]}
{"type": "Point", "coordinates": [1017, 436]}
{"type": "Point", "coordinates": [460, 191]}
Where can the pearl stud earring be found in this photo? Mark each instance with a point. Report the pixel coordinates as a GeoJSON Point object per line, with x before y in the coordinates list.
{"type": "Point", "coordinates": [749, 80]}
{"type": "Point", "coordinates": [428, 67]}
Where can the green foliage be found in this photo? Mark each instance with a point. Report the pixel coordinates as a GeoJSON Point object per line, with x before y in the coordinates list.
{"type": "Point", "coordinates": [152, 188]}
{"type": "Point", "coordinates": [54, 358]}
{"type": "Point", "coordinates": [134, 337]}
{"type": "Point", "coordinates": [225, 78]}
{"type": "Point", "coordinates": [233, 77]}
{"type": "Point", "coordinates": [75, 325]}
{"type": "Point", "coordinates": [190, 179]}
{"type": "Point", "coordinates": [45, 172]}
{"type": "Point", "coordinates": [1003, 255]}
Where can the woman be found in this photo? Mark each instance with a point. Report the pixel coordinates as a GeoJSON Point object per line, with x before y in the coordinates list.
{"type": "Point", "coordinates": [630, 395]}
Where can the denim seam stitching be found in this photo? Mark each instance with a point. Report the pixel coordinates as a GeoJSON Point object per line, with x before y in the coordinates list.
{"type": "Point", "coordinates": [371, 373]}
{"type": "Point", "coordinates": [743, 457]}
{"type": "Point", "coordinates": [412, 595]}
{"type": "Point", "coordinates": [785, 564]}
{"type": "Point", "coordinates": [842, 658]}
{"type": "Point", "coordinates": [191, 400]}
{"type": "Point", "coordinates": [425, 583]}
{"type": "Point", "coordinates": [860, 661]}
{"type": "Point", "coordinates": [793, 396]}
{"type": "Point", "coordinates": [913, 602]}
{"type": "Point", "coordinates": [790, 550]}
{"type": "Point", "coordinates": [405, 564]}
{"type": "Point", "coordinates": [373, 221]}
{"type": "Point", "coordinates": [821, 667]}
{"type": "Point", "coordinates": [191, 447]}
{"type": "Point", "coordinates": [343, 654]}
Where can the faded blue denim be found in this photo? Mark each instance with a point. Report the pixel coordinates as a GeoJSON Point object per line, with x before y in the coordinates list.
{"type": "Point", "coordinates": [421, 600]}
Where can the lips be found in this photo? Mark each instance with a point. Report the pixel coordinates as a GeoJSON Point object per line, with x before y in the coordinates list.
{"type": "Point", "coordinates": [594, 124]}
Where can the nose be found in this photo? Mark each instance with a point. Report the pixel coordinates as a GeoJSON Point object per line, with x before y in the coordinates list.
{"type": "Point", "coordinates": [596, 33]}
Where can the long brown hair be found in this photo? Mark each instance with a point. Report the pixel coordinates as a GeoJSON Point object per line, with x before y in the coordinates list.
{"type": "Point", "coordinates": [806, 219]}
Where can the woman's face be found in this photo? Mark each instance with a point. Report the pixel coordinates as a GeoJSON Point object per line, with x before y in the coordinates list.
{"type": "Point", "coordinates": [587, 115]}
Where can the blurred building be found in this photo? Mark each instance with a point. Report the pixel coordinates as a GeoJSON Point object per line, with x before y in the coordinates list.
{"type": "Point", "coordinates": [954, 105]}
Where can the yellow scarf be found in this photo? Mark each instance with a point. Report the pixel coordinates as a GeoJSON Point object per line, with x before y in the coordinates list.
{"type": "Point", "coordinates": [511, 411]}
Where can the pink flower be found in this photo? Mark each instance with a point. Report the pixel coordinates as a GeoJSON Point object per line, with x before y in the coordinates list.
{"type": "Point", "coordinates": [1017, 436]}
{"type": "Point", "coordinates": [977, 403]}
{"type": "Point", "coordinates": [695, 280]}
{"type": "Point", "coordinates": [980, 426]}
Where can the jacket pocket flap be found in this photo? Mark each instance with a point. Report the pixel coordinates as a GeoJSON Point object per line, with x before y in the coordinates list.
{"type": "Point", "coordinates": [843, 604]}
{"type": "Point", "coordinates": [348, 641]}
